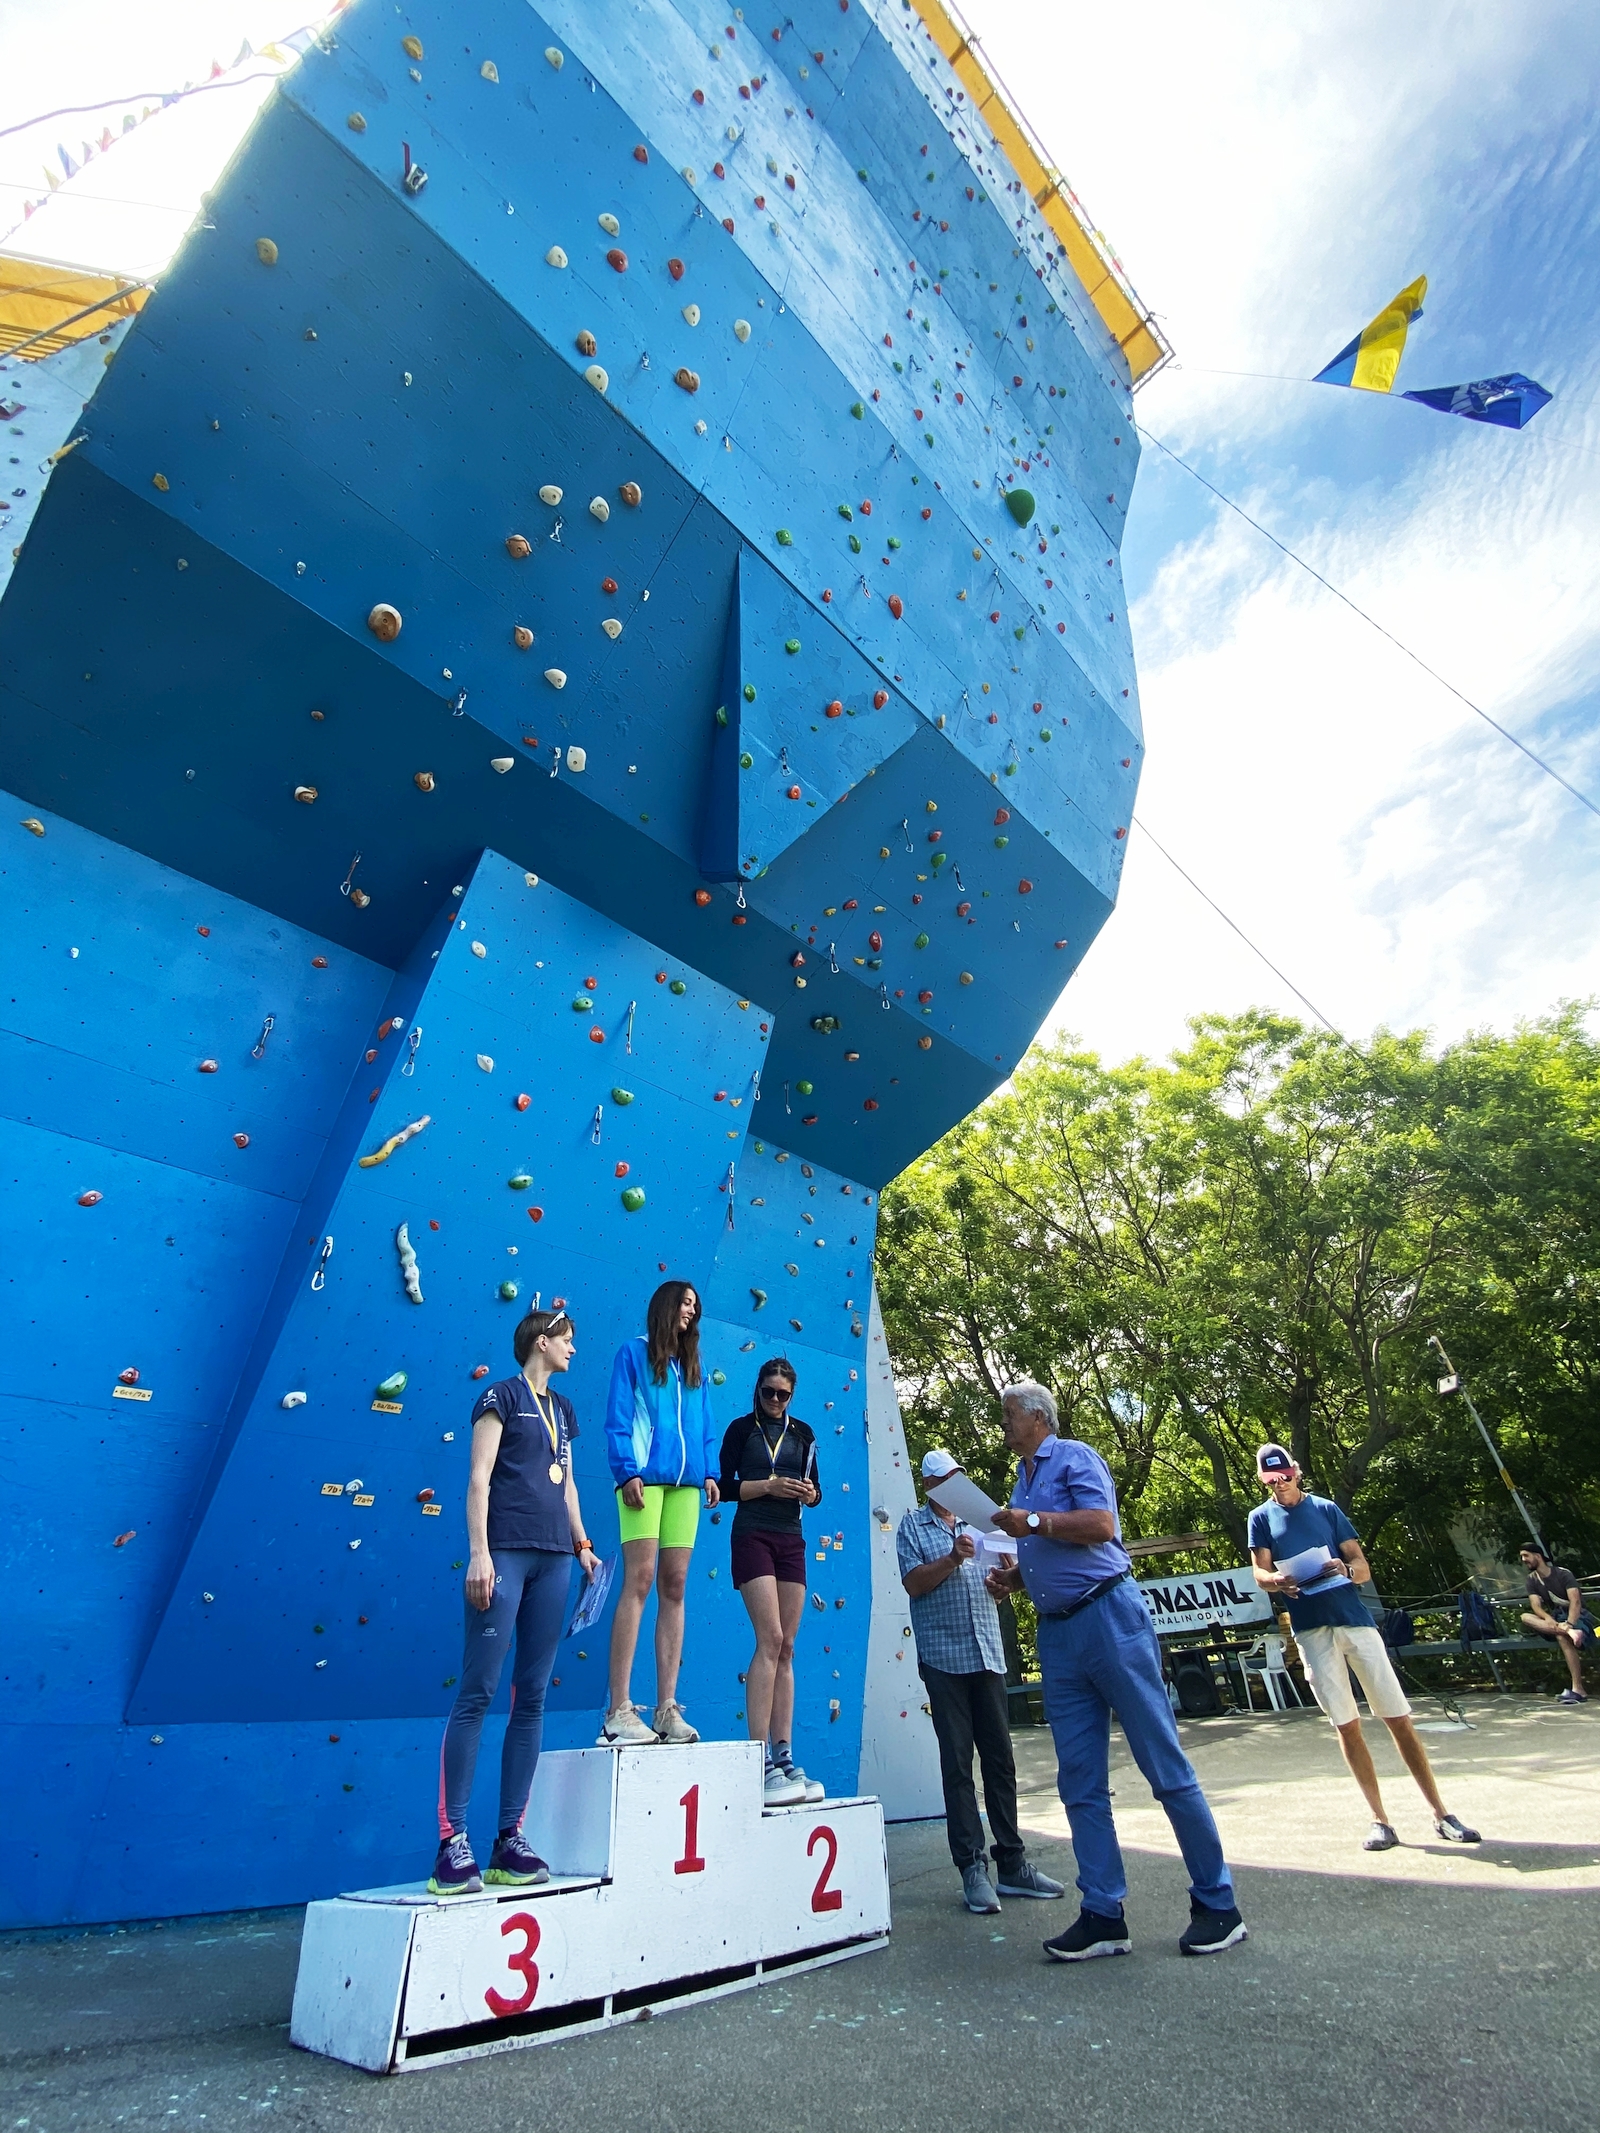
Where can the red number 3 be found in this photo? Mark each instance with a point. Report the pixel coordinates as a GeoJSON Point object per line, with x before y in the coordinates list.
{"type": "Point", "coordinates": [522, 1961]}
{"type": "Point", "coordinates": [822, 1897]}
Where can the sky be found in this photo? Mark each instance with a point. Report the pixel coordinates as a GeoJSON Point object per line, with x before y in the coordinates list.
{"type": "Point", "coordinates": [1269, 178]}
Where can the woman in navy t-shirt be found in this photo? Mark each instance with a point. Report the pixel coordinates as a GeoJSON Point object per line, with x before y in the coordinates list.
{"type": "Point", "coordinates": [524, 1526]}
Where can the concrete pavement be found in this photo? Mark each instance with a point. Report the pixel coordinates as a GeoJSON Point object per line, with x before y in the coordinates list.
{"type": "Point", "coordinates": [1429, 1986]}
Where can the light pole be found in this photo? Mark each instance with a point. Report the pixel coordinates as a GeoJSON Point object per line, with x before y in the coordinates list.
{"type": "Point", "coordinates": [1451, 1384]}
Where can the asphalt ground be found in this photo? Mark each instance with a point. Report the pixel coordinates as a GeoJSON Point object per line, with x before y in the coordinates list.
{"type": "Point", "coordinates": [1430, 1987]}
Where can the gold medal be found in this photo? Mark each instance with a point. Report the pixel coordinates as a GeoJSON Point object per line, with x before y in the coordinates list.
{"type": "Point", "coordinates": [556, 1473]}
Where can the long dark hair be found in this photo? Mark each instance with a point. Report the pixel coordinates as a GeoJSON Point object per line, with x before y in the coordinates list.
{"type": "Point", "coordinates": [778, 1367]}
{"type": "Point", "coordinates": [663, 1337]}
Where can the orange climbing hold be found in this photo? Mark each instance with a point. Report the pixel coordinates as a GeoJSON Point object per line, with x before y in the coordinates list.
{"type": "Point", "coordinates": [701, 897]}
{"type": "Point", "coordinates": [879, 698]}
{"type": "Point", "coordinates": [834, 710]}
{"type": "Point", "coordinates": [897, 606]}
{"type": "Point", "coordinates": [523, 1102]}
{"type": "Point", "coordinates": [597, 1036]}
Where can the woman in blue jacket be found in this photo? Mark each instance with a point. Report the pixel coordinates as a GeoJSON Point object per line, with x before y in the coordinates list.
{"type": "Point", "coordinates": [661, 1440]}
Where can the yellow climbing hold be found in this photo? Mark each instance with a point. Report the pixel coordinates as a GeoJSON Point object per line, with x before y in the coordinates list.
{"type": "Point", "coordinates": [266, 251]}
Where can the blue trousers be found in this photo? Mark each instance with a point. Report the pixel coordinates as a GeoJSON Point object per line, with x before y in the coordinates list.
{"type": "Point", "coordinates": [1103, 1660]}
{"type": "Point", "coordinates": [530, 1598]}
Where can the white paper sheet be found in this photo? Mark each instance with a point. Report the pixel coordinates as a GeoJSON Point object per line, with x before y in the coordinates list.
{"type": "Point", "coordinates": [1313, 1569]}
{"type": "Point", "coordinates": [960, 1494]}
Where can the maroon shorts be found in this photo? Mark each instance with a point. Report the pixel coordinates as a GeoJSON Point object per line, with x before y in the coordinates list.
{"type": "Point", "coordinates": [761, 1553]}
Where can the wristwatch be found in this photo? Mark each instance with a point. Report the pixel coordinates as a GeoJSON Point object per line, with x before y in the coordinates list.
{"type": "Point", "coordinates": [1033, 1521]}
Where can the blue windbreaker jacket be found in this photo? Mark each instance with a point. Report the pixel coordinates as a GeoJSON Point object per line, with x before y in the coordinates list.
{"type": "Point", "coordinates": [661, 1433]}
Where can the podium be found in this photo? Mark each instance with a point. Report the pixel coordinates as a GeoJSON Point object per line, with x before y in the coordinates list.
{"type": "Point", "coordinates": [670, 1883]}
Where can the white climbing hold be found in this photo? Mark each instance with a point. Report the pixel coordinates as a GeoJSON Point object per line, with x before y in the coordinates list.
{"type": "Point", "coordinates": [550, 494]}
{"type": "Point", "coordinates": [479, 950]}
{"type": "Point", "coordinates": [556, 678]}
{"type": "Point", "coordinates": [408, 1264]}
{"type": "Point", "coordinates": [489, 71]}
{"type": "Point", "coordinates": [532, 880]}
{"type": "Point", "coordinates": [691, 314]}
{"type": "Point", "coordinates": [293, 1399]}
{"type": "Point", "coordinates": [555, 257]}
{"type": "Point", "coordinates": [689, 173]}
{"type": "Point", "coordinates": [699, 429]}
{"type": "Point", "coordinates": [597, 377]}
{"type": "Point", "coordinates": [501, 763]}
{"type": "Point", "coordinates": [556, 56]}
{"type": "Point", "coordinates": [612, 628]}
{"type": "Point", "coordinates": [610, 224]}
{"type": "Point", "coordinates": [599, 508]}
{"type": "Point", "coordinates": [741, 329]}
{"type": "Point", "coordinates": [486, 1062]}
{"type": "Point", "coordinates": [577, 758]}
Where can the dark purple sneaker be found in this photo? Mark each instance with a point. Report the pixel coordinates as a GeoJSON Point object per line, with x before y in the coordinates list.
{"type": "Point", "coordinates": [514, 1863]}
{"type": "Point", "coordinates": [455, 1871]}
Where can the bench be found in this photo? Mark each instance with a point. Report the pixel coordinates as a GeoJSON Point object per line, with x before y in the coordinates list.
{"type": "Point", "coordinates": [1459, 1648]}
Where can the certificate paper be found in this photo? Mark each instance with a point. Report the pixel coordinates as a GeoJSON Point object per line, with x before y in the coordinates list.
{"type": "Point", "coordinates": [964, 1497]}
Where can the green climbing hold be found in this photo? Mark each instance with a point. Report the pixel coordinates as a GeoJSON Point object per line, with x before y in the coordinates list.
{"type": "Point", "coordinates": [893, 540]}
{"type": "Point", "coordinates": [802, 1088]}
{"type": "Point", "coordinates": [938, 860]}
{"type": "Point", "coordinates": [622, 1096]}
{"type": "Point", "coordinates": [1020, 632]}
{"type": "Point", "coordinates": [845, 511]}
{"type": "Point", "coordinates": [719, 1377]}
{"type": "Point", "coordinates": [758, 1297]}
{"type": "Point", "coordinates": [855, 544]}
{"type": "Point", "coordinates": [861, 174]}
{"type": "Point", "coordinates": [519, 1181]}
{"type": "Point", "coordinates": [1011, 770]}
{"type": "Point", "coordinates": [1000, 843]}
{"type": "Point", "coordinates": [722, 714]}
{"type": "Point", "coordinates": [1020, 503]}
{"type": "Point", "coordinates": [785, 538]}
{"type": "Point", "coordinates": [858, 411]}
{"type": "Point", "coordinates": [508, 1292]}
{"type": "Point", "coordinates": [749, 692]}
{"type": "Point", "coordinates": [921, 941]}
{"type": "Point", "coordinates": [677, 986]}
{"type": "Point", "coordinates": [747, 762]}
{"type": "Point", "coordinates": [633, 1198]}
{"type": "Point", "coordinates": [583, 1005]}
{"type": "Point", "coordinates": [1044, 733]}
{"type": "Point", "coordinates": [791, 645]}
{"type": "Point", "coordinates": [900, 367]}
{"type": "Point", "coordinates": [392, 1386]}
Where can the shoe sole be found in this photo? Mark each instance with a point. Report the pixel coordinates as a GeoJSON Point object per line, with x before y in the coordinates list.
{"type": "Point", "coordinates": [459, 1888]}
{"type": "Point", "coordinates": [1087, 1955]}
{"type": "Point", "coordinates": [1391, 1844]}
{"type": "Point", "coordinates": [498, 1877]}
{"type": "Point", "coordinates": [615, 1740]}
{"type": "Point", "coordinates": [1033, 1895]}
{"type": "Point", "coordinates": [1215, 1947]}
{"type": "Point", "coordinates": [981, 1910]}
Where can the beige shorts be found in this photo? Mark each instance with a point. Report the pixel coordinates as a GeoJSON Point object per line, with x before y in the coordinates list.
{"type": "Point", "coordinates": [1329, 1654]}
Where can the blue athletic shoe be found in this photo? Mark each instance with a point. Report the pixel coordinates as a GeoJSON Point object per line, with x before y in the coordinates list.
{"type": "Point", "coordinates": [514, 1863]}
{"type": "Point", "coordinates": [455, 1871]}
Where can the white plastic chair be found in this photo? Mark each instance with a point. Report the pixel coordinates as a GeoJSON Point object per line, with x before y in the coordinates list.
{"type": "Point", "coordinates": [1264, 1662]}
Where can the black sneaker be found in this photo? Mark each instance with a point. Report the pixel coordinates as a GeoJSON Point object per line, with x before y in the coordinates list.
{"type": "Point", "coordinates": [1089, 1936]}
{"type": "Point", "coordinates": [455, 1871]}
{"type": "Point", "coordinates": [514, 1863]}
{"type": "Point", "coordinates": [1209, 1932]}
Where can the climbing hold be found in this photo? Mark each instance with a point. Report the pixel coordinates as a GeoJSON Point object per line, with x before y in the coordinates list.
{"type": "Point", "coordinates": [305, 794]}
{"type": "Point", "coordinates": [858, 411]}
{"type": "Point", "coordinates": [896, 606]}
{"type": "Point", "coordinates": [677, 986]}
{"type": "Point", "coordinates": [966, 977]}
{"type": "Point", "coordinates": [926, 1043]}
{"type": "Point", "coordinates": [620, 1170]}
{"type": "Point", "coordinates": [500, 764]}
{"type": "Point", "coordinates": [408, 1264]}
{"type": "Point", "coordinates": [792, 792]}
{"type": "Point", "coordinates": [384, 622]}
{"type": "Point", "coordinates": [833, 710]}
{"type": "Point", "coordinates": [741, 329]}
{"type": "Point", "coordinates": [675, 268]}
{"type": "Point", "coordinates": [1000, 843]}
{"type": "Point", "coordinates": [508, 1292]}
{"type": "Point", "coordinates": [791, 645]}
{"type": "Point", "coordinates": [160, 481]}
{"type": "Point", "coordinates": [555, 56]}
{"type": "Point", "coordinates": [747, 762]}
{"type": "Point", "coordinates": [489, 72]}
{"type": "Point", "coordinates": [633, 1198]}
{"type": "Point", "coordinates": [556, 678]}
{"type": "Point", "coordinates": [518, 545]}
{"type": "Point", "coordinates": [522, 637]}
{"type": "Point", "coordinates": [599, 508]}
{"type": "Point", "coordinates": [632, 495]}
{"type": "Point", "coordinates": [555, 257]}
{"type": "Point", "coordinates": [921, 941]}
{"type": "Point", "coordinates": [319, 962]}
{"type": "Point", "coordinates": [390, 1388]}
{"type": "Point", "coordinates": [485, 1062]}
{"type": "Point", "coordinates": [577, 759]}
{"type": "Point", "coordinates": [585, 342]}
{"type": "Point", "coordinates": [412, 47]}
{"type": "Point", "coordinates": [610, 224]}
{"type": "Point", "coordinates": [870, 1103]}
{"type": "Point", "coordinates": [875, 940]}
{"type": "Point", "coordinates": [688, 379]}
{"type": "Point", "coordinates": [691, 314]}
{"type": "Point", "coordinates": [208, 1066]}
{"type": "Point", "coordinates": [535, 1214]}
{"type": "Point", "coordinates": [784, 538]}
{"type": "Point", "coordinates": [622, 1096]}
{"type": "Point", "coordinates": [241, 1140]}
{"type": "Point", "coordinates": [33, 825]}
{"type": "Point", "coordinates": [522, 1102]}
{"type": "Point", "coordinates": [803, 1088]}
{"type": "Point", "coordinates": [479, 1370]}
{"type": "Point", "coordinates": [612, 627]}
{"type": "Point", "coordinates": [1020, 503]}
{"type": "Point", "coordinates": [608, 585]}
{"type": "Point", "coordinates": [90, 1199]}
{"type": "Point", "coordinates": [617, 260]}
{"type": "Point", "coordinates": [356, 122]}
{"type": "Point", "coordinates": [879, 698]}
{"type": "Point", "coordinates": [479, 950]}
{"type": "Point", "coordinates": [293, 1399]}
{"type": "Point", "coordinates": [597, 377]}
{"type": "Point", "coordinates": [702, 897]}
{"type": "Point", "coordinates": [422, 780]}
{"type": "Point", "coordinates": [396, 1140]}
{"type": "Point", "coordinates": [519, 1181]}
{"type": "Point", "coordinates": [1001, 814]}
{"type": "Point", "coordinates": [266, 251]}
{"type": "Point", "coordinates": [1024, 887]}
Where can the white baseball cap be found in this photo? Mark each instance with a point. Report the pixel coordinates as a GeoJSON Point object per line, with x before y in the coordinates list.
{"type": "Point", "coordinates": [936, 1465]}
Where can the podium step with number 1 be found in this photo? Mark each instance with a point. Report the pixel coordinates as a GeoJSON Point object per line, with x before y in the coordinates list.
{"type": "Point", "coordinates": [670, 1883]}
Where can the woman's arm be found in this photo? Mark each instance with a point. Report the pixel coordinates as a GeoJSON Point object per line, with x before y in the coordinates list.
{"type": "Point", "coordinates": [580, 1537]}
{"type": "Point", "coordinates": [486, 1434]}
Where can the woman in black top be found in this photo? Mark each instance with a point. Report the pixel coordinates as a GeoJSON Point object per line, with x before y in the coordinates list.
{"type": "Point", "coordinates": [769, 1469]}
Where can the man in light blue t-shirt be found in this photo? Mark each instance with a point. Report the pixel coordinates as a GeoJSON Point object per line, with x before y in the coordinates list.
{"type": "Point", "coordinates": [1306, 1551]}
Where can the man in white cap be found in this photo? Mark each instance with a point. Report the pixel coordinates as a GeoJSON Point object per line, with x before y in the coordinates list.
{"type": "Point", "coordinates": [962, 1662]}
{"type": "Point", "coordinates": [1306, 1551]}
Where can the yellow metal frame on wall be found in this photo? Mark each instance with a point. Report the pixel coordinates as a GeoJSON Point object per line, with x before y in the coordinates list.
{"type": "Point", "coordinates": [1109, 290]}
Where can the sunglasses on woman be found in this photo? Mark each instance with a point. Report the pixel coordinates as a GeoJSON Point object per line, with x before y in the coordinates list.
{"type": "Point", "coordinates": [775, 1392]}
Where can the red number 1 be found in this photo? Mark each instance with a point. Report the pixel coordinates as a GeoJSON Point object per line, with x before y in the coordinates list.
{"type": "Point", "coordinates": [691, 1862]}
{"type": "Point", "coordinates": [522, 1961]}
{"type": "Point", "coordinates": [822, 1897]}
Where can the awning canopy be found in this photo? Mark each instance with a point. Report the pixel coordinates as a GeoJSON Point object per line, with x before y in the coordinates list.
{"type": "Point", "coordinates": [45, 306]}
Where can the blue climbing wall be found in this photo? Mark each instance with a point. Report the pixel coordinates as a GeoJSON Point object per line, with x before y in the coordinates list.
{"type": "Point", "coordinates": [740, 772]}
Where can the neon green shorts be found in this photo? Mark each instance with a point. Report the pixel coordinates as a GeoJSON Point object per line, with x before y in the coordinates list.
{"type": "Point", "coordinates": [668, 1516]}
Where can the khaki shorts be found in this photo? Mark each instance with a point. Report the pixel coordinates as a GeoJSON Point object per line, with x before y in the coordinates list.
{"type": "Point", "coordinates": [1328, 1655]}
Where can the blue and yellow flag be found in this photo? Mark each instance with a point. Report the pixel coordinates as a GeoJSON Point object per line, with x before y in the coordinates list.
{"type": "Point", "coordinates": [1371, 360]}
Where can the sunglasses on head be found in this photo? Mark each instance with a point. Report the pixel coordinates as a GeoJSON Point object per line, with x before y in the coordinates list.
{"type": "Point", "coordinates": [776, 1392]}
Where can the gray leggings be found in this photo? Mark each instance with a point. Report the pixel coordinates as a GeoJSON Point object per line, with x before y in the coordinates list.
{"type": "Point", "coordinates": [530, 1598]}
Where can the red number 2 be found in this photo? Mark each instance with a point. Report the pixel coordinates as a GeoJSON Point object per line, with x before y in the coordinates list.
{"type": "Point", "coordinates": [691, 1862]}
{"type": "Point", "coordinates": [822, 1897]}
{"type": "Point", "coordinates": [522, 1961]}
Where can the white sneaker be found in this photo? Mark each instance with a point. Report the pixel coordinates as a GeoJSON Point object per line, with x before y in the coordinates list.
{"type": "Point", "coordinates": [672, 1727]}
{"type": "Point", "coordinates": [813, 1788]}
{"type": "Point", "coordinates": [624, 1728]}
{"type": "Point", "coordinates": [781, 1788]}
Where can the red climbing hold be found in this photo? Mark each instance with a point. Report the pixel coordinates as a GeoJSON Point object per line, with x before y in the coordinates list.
{"type": "Point", "coordinates": [535, 1214]}
{"type": "Point", "coordinates": [523, 1102]}
{"type": "Point", "coordinates": [927, 511]}
{"type": "Point", "coordinates": [717, 171]}
{"type": "Point", "coordinates": [617, 260]}
{"type": "Point", "coordinates": [241, 1140]}
{"type": "Point", "coordinates": [481, 1370]}
{"type": "Point", "coordinates": [432, 1224]}
{"type": "Point", "coordinates": [923, 998]}
{"type": "Point", "coordinates": [699, 96]}
{"type": "Point", "coordinates": [962, 910]}
{"type": "Point", "coordinates": [204, 932]}
{"type": "Point", "coordinates": [675, 268]}
{"type": "Point", "coordinates": [1024, 887]}
{"type": "Point", "coordinates": [1002, 815]}
{"type": "Point", "coordinates": [871, 1104]}
{"type": "Point", "coordinates": [1061, 944]}
{"type": "Point", "coordinates": [597, 1036]}
{"type": "Point", "coordinates": [641, 154]}
{"type": "Point", "coordinates": [208, 1066]}
{"type": "Point", "coordinates": [866, 508]}
{"type": "Point", "coordinates": [1121, 833]}
{"type": "Point", "coordinates": [320, 962]}
{"type": "Point", "coordinates": [793, 792]}
{"type": "Point", "coordinates": [589, 984]}
{"type": "Point", "coordinates": [607, 585]}
{"type": "Point", "coordinates": [897, 606]}
{"type": "Point", "coordinates": [879, 698]}
{"type": "Point", "coordinates": [661, 976]}
{"type": "Point", "coordinates": [129, 1376]}
{"type": "Point", "coordinates": [727, 224]}
{"type": "Point", "coordinates": [621, 1170]}
{"type": "Point", "coordinates": [797, 960]}
{"type": "Point", "coordinates": [875, 942]}
{"type": "Point", "coordinates": [701, 897]}
{"type": "Point", "coordinates": [936, 836]}
{"type": "Point", "coordinates": [834, 710]}
{"type": "Point", "coordinates": [721, 1097]}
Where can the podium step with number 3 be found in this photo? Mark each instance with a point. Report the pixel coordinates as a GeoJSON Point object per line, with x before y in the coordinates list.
{"type": "Point", "coordinates": [669, 1883]}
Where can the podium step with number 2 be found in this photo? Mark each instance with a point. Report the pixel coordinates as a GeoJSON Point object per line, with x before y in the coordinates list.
{"type": "Point", "coordinates": [670, 1883]}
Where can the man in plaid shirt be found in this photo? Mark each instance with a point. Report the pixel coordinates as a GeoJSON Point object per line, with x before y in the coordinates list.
{"type": "Point", "coordinates": [959, 1656]}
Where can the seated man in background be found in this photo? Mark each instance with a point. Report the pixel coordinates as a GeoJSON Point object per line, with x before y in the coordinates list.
{"type": "Point", "coordinates": [1556, 1610]}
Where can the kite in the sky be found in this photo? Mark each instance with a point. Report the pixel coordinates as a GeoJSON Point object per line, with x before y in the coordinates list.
{"type": "Point", "coordinates": [1511, 401]}
{"type": "Point", "coordinates": [1370, 361]}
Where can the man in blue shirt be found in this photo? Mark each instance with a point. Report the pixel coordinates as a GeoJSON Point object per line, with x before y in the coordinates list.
{"type": "Point", "coordinates": [1098, 1654]}
{"type": "Point", "coordinates": [1307, 1552]}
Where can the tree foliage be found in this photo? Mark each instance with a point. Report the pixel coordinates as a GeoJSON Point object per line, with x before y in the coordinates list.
{"type": "Point", "coordinates": [1252, 1240]}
